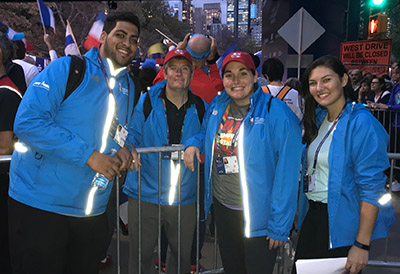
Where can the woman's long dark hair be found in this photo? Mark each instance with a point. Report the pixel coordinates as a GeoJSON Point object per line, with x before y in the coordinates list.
{"type": "Point", "coordinates": [333, 63]}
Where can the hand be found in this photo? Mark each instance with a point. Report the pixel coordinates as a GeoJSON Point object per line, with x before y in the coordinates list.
{"type": "Point", "coordinates": [136, 159]}
{"type": "Point", "coordinates": [357, 259]}
{"type": "Point", "coordinates": [188, 157]}
{"type": "Point", "coordinates": [274, 243]}
{"type": "Point", "coordinates": [104, 164]}
{"type": "Point", "coordinates": [381, 106]}
{"type": "Point", "coordinates": [47, 41]}
{"type": "Point", "coordinates": [126, 158]}
{"type": "Point", "coordinates": [183, 44]}
{"type": "Point", "coordinates": [214, 48]}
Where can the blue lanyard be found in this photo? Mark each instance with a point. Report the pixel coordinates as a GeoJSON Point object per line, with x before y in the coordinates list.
{"type": "Point", "coordinates": [103, 69]}
{"type": "Point", "coordinates": [326, 137]}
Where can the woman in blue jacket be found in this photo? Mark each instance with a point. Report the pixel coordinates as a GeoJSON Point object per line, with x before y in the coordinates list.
{"type": "Point", "coordinates": [343, 203]}
{"type": "Point", "coordinates": [252, 146]}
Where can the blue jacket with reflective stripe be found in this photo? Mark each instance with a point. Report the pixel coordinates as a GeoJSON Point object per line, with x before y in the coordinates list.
{"type": "Point", "coordinates": [357, 159]}
{"type": "Point", "coordinates": [152, 132]}
{"type": "Point", "coordinates": [269, 154]}
{"type": "Point", "coordinates": [52, 174]}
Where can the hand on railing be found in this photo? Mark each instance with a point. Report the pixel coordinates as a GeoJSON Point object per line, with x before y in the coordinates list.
{"type": "Point", "coordinates": [274, 243]}
{"type": "Point", "coordinates": [126, 158]}
{"type": "Point", "coordinates": [188, 157]}
{"type": "Point", "coordinates": [136, 160]}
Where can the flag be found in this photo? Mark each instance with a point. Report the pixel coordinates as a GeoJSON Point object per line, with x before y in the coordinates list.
{"type": "Point", "coordinates": [11, 34]}
{"type": "Point", "coordinates": [93, 39]}
{"type": "Point", "coordinates": [46, 15]}
{"type": "Point", "coordinates": [70, 46]}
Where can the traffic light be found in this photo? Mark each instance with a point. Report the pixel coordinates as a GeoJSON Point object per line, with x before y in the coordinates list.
{"type": "Point", "coordinates": [377, 3]}
{"type": "Point", "coordinates": [377, 24]}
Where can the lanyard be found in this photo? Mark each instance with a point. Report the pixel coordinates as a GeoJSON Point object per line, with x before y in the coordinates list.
{"type": "Point", "coordinates": [103, 69]}
{"type": "Point", "coordinates": [221, 126]}
{"type": "Point", "coordinates": [326, 137]}
{"type": "Point", "coordinates": [166, 116]}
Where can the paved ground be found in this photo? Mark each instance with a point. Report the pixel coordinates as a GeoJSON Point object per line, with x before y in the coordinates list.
{"type": "Point", "coordinates": [377, 251]}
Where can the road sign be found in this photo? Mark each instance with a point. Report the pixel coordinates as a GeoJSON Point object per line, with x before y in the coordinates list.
{"type": "Point", "coordinates": [301, 30]}
{"type": "Point", "coordinates": [369, 55]}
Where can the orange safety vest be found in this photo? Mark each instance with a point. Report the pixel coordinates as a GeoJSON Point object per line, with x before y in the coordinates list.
{"type": "Point", "coordinates": [281, 94]}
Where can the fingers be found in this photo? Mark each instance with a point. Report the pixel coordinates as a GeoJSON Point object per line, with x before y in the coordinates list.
{"type": "Point", "coordinates": [188, 157]}
{"type": "Point", "coordinates": [135, 158]}
{"type": "Point", "coordinates": [126, 157]}
{"type": "Point", "coordinates": [274, 243]}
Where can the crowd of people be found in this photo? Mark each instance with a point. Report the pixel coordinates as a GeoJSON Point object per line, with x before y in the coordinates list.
{"type": "Point", "coordinates": [253, 135]}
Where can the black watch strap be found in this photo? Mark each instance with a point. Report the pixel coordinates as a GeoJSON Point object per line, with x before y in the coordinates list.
{"type": "Point", "coordinates": [360, 245]}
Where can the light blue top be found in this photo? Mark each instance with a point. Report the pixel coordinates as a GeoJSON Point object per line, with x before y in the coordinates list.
{"type": "Point", "coordinates": [357, 160]}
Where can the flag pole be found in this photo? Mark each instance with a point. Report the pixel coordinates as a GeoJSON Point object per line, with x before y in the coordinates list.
{"type": "Point", "coordinates": [40, 14]}
{"type": "Point", "coordinates": [73, 37]}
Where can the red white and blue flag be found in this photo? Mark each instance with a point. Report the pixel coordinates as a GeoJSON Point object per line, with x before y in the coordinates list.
{"type": "Point", "coordinates": [70, 46]}
{"type": "Point", "coordinates": [93, 39]}
{"type": "Point", "coordinates": [46, 15]}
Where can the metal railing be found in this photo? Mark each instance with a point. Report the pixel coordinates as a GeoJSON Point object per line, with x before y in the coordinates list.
{"type": "Point", "coordinates": [285, 254]}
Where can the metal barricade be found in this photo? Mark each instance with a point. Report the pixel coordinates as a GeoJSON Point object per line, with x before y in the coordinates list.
{"type": "Point", "coordinates": [389, 118]}
{"type": "Point", "coordinates": [179, 149]}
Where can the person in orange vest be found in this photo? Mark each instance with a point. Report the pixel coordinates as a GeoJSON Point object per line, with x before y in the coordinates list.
{"type": "Point", "coordinates": [272, 69]}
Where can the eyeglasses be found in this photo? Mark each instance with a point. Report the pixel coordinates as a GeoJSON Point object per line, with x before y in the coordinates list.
{"type": "Point", "coordinates": [373, 83]}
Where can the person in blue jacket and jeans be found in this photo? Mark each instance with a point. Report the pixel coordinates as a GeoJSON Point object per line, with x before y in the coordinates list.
{"type": "Point", "coordinates": [343, 205]}
{"type": "Point", "coordinates": [54, 226]}
{"type": "Point", "coordinates": [252, 145]}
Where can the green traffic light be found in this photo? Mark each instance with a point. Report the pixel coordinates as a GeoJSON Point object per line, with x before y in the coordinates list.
{"type": "Point", "coordinates": [378, 2]}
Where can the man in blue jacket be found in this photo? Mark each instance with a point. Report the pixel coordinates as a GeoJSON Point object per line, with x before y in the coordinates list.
{"type": "Point", "coordinates": [63, 144]}
{"type": "Point", "coordinates": [168, 114]}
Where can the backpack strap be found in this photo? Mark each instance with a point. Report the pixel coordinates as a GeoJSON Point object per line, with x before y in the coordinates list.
{"type": "Point", "coordinates": [269, 102]}
{"type": "Point", "coordinates": [201, 109]}
{"type": "Point", "coordinates": [282, 93]}
{"type": "Point", "coordinates": [147, 107]}
{"type": "Point", "coordinates": [265, 89]}
{"type": "Point", "coordinates": [76, 73]}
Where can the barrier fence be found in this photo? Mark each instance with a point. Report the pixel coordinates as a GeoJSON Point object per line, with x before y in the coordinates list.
{"type": "Point", "coordinates": [285, 254]}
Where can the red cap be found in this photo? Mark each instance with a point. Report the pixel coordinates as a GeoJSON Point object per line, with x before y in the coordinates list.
{"type": "Point", "coordinates": [239, 56]}
{"type": "Point", "coordinates": [177, 52]}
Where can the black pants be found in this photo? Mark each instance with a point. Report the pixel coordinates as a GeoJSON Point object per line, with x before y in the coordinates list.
{"type": "Point", "coordinates": [43, 242]}
{"type": "Point", "coordinates": [313, 241]}
{"type": "Point", "coordinates": [4, 250]}
{"type": "Point", "coordinates": [241, 255]}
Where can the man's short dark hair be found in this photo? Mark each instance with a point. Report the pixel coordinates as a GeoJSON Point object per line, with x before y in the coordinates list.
{"type": "Point", "coordinates": [273, 69]}
{"type": "Point", "coordinates": [125, 16]}
{"type": "Point", "coordinates": [7, 49]}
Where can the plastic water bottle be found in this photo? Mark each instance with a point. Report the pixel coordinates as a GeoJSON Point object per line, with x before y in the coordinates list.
{"type": "Point", "coordinates": [99, 180]}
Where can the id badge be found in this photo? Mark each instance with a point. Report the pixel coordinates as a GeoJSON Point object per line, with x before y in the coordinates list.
{"type": "Point", "coordinates": [219, 165]}
{"type": "Point", "coordinates": [118, 132]}
{"type": "Point", "coordinates": [167, 155]}
{"type": "Point", "coordinates": [309, 183]}
{"type": "Point", "coordinates": [231, 164]}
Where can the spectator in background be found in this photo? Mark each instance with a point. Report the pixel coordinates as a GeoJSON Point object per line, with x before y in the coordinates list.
{"type": "Point", "coordinates": [52, 52]}
{"type": "Point", "coordinates": [379, 94]}
{"type": "Point", "coordinates": [30, 70]}
{"type": "Point", "coordinates": [147, 74]}
{"type": "Point", "coordinates": [273, 70]}
{"type": "Point", "coordinates": [355, 78]}
{"type": "Point", "coordinates": [10, 97]}
{"type": "Point", "coordinates": [203, 50]}
{"type": "Point", "coordinates": [364, 91]}
{"type": "Point", "coordinates": [394, 104]}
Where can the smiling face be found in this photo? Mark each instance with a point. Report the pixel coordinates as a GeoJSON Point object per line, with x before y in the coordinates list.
{"type": "Point", "coordinates": [120, 44]}
{"type": "Point", "coordinates": [326, 87]}
{"type": "Point", "coordinates": [238, 82]}
{"type": "Point", "coordinates": [178, 73]}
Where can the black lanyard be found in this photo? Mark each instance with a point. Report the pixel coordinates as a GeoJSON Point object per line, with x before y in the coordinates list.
{"type": "Point", "coordinates": [326, 137]}
{"type": "Point", "coordinates": [103, 69]}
